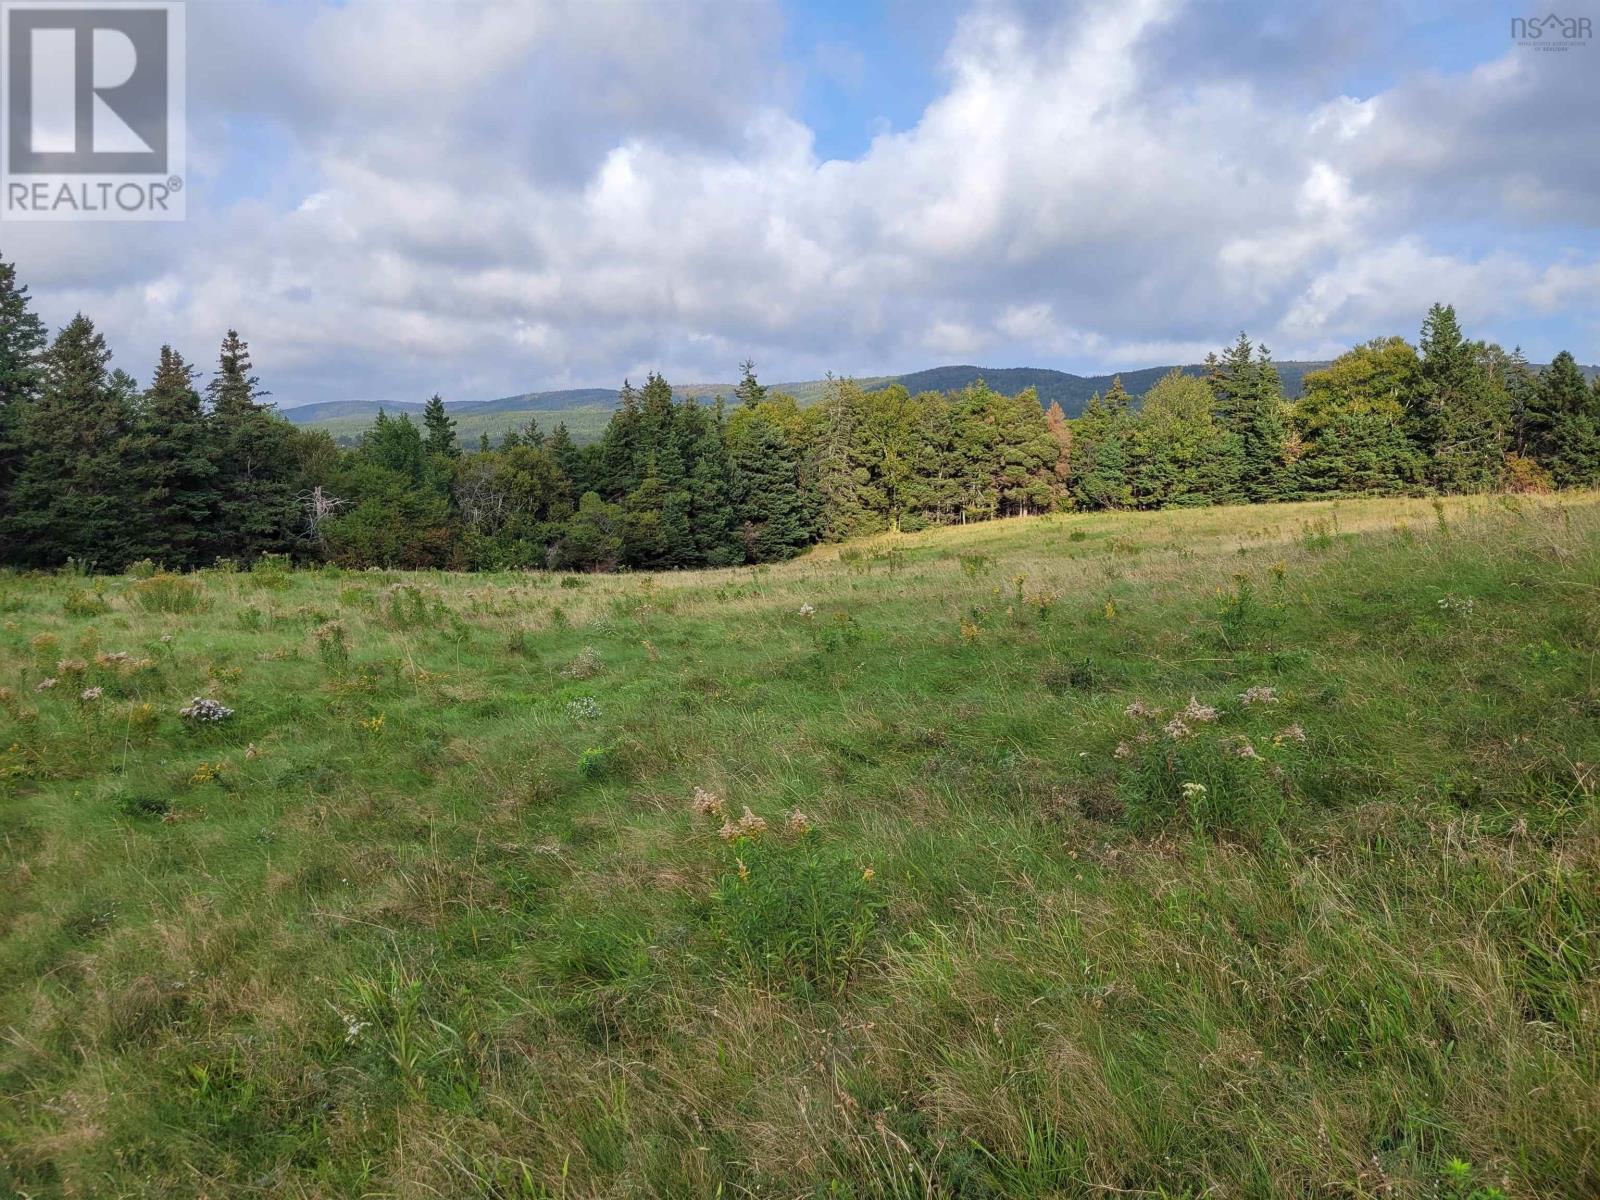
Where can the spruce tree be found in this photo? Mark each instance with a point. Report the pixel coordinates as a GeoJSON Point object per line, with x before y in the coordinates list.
{"type": "Point", "coordinates": [1457, 421]}
{"type": "Point", "coordinates": [253, 450]}
{"type": "Point", "coordinates": [1101, 452]}
{"type": "Point", "coordinates": [1564, 424]}
{"type": "Point", "coordinates": [22, 338]}
{"type": "Point", "coordinates": [1251, 412]}
{"type": "Point", "coordinates": [72, 495]}
{"type": "Point", "coordinates": [441, 429]}
{"type": "Point", "coordinates": [173, 470]}
{"type": "Point", "coordinates": [771, 507]}
{"type": "Point", "coordinates": [750, 392]}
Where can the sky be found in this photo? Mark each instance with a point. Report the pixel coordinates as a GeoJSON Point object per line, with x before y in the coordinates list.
{"type": "Point", "coordinates": [391, 198]}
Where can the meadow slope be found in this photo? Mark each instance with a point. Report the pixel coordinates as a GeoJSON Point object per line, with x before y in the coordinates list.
{"type": "Point", "coordinates": [1225, 852]}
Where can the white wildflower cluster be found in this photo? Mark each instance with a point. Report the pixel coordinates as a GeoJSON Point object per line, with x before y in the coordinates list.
{"type": "Point", "coordinates": [203, 711]}
{"type": "Point", "coordinates": [798, 823]}
{"type": "Point", "coordinates": [806, 610]}
{"type": "Point", "coordinates": [584, 708]}
{"type": "Point", "coordinates": [44, 685]}
{"type": "Point", "coordinates": [1138, 710]}
{"type": "Point", "coordinates": [1458, 606]}
{"type": "Point", "coordinates": [1259, 695]}
{"type": "Point", "coordinates": [90, 695]}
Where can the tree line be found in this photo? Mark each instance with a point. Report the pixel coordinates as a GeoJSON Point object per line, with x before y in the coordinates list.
{"type": "Point", "coordinates": [97, 471]}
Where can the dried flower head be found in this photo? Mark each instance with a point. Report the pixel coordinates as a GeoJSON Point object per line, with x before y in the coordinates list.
{"type": "Point", "coordinates": [708, 804]}
{"type": "Point", "coordinates": [90, 695]}
{"type": "Point", "coordinates": [1139, 710]}
{"type": "Point", "coordinates": [807, 611]}
{"type": "Point", "coordinates": [747, 826]}
{"type": "Point", "coordinates": [1201, 713]}
{"type": "Point", "coordinates": [44, 685]}
{"type": "Point", "coordinates": [798, 823]}
{"type": "Point", "coordinates": [1294, 733]}
{"type": "Point", "coordinates": [1177, 730]}
{"type": "Point", "coordinates": [1259, 695]}
{"type": "Point", "coordinates": [1123, 750]}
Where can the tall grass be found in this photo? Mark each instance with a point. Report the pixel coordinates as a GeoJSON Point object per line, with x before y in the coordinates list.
{"type": "Point", "coordinates": [1244, 852]}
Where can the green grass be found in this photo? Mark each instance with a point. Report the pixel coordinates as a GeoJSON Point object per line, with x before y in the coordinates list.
{"type": "Point", "coordinates": [436, 911]}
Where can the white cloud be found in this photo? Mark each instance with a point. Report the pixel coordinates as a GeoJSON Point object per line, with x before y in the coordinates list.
{"type": "Point", "coordinates": [500, 196]}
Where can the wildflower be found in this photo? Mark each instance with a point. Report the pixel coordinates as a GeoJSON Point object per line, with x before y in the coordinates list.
{"type": "Point", "coordinates": [71, 666]}
{"type": "Point", "coordinates": [585, 666]}
{"type": "Point", "coordinates": [806, 610]}
{"type": "Point", "coordinates": [584, 708]}
{"type": "Point", "coordinates": [203, 711]}
{"type": "Point", "coordinates": [374, 725]}
{"type": "Point", "coordinates": [252, 752]}
{"type": "Point", "coordinates": [1293, 733]}
{"type": "Point", "coordinates": [798, 823]}
{"type": "Point", "coordinates": [1259, 695]}
{"type": "Point", "coordinates": [1123, 750]}
{"type": "Point", "coordinates": [708, 804]}
{"type": "Point", "coordinates": [747, 826]}
{"type": "Point", "coordinates": [969, 630]}
{"type": "Point", "coordinates": [44, 685]}
{"type": "Point", "coordinates": [1194, 791]}
{"type": "Point", "coordinates": [166, 638]}
{"type": "Point", "coordinates": [1139, 709]}
{"type": "Point", "coordinates": [352, 1028]}
{"type": "Point", "coordinates": [744, 872]}
{"type": "Point", "coordinates": [867, 874]}
{"type": "Point", "coordinates": [90, 695]}
{"type": "Point", "coordinates": [1177, 730]}
{"type": "Point", "coordinates": [1195, 711]}
{"type": "Point", "coordinates": [1111, 610]}
{"type": "Point", "coordinates": [1241, 748]}
{"type": "Point", "coordinates": [114, 659]}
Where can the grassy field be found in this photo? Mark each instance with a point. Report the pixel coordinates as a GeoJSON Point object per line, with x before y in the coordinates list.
{"type": "Point", "coordinates": [1220, 853]}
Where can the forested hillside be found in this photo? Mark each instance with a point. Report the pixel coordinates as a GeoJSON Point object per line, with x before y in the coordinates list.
{"type": "Point", "coordinates": [101, 472]}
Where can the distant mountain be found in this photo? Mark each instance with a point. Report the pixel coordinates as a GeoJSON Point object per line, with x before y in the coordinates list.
{"type": "Point", "coordinates": [585, 411]}
{"type": "Point", "coordinates": [1070, 391]}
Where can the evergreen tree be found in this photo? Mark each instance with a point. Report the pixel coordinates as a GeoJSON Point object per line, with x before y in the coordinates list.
{"type": "Point", "coordinates": [1251, 410]}
{"type": "Point", "coordinates": [22, 338]}
{"type": "Point", "coordinates": [568, 458]}
{"type": "Point", "coordinates": [254, 453]}
{"type": "Point", "coordinates": [620, 448]}
{"type": "Point", "coordinates": [72, 494]}
{"type": "Point", "coordinates": [441, 429]}
{"type": "Point", "coordinates": [1101, 460]}
{"type": "Point", "coordinates": [710, 488]}
{"type": "Point", "coordinates": [172, 470]}
{"type": "Point", "coordinates": [771, 507]}
{"type": "Point", "coordinates": [1564, 424]}
{"type": "Point", "coordinates": [1456, 420]}
{"type": "Point", "coordinates": [749, 391]}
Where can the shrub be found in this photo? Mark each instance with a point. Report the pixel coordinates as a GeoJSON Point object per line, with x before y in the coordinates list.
{"type": "Point", "coordinates": [165, 593]}
{"type": "Point", "coordinates": [83, 603]}
{"type": "Point", "coordinates": [585, 666]}
{"type": "Point", "coordinates": [1214, 784]}
{"type": "Point", "coordinates": [594, 763]}
{"type": "Point", "coordinates": [799, 915]}
{"type": "Point", "coordinates": [1081, 675]}
{"type": "Point", "coordinates": [333, 646]}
